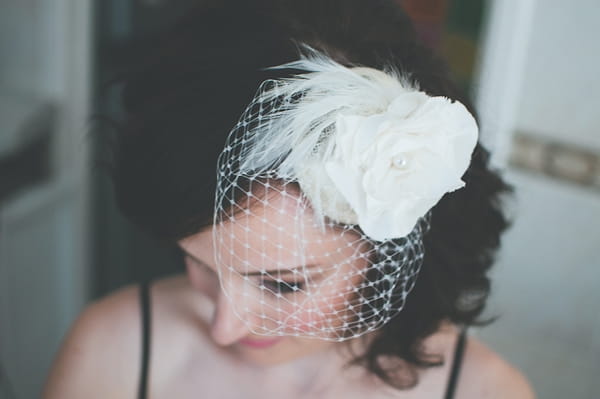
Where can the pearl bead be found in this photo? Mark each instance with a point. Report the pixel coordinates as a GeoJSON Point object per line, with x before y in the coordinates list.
{"type": "Point", "coordinates": [399, 162]}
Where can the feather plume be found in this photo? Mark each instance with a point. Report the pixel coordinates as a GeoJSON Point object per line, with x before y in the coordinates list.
{"type": "Point", "coordinates": [288, 125]}
{"type": "Point", "coordinates": [302, 110]}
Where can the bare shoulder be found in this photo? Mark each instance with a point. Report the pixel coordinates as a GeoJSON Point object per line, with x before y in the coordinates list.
{"type": "Point", "coordinates": [97, 356]}
{"type": "Point", "coordinates": [485, 374]}
{"type": "Point", "coordinates": [100, 356]}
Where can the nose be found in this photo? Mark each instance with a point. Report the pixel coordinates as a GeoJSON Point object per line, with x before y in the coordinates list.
{"type": "Point", "coordinates": [226, 327]}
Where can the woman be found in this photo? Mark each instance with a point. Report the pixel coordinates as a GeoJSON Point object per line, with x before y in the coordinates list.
{"type": "Point", "coordinates": [345, 239]}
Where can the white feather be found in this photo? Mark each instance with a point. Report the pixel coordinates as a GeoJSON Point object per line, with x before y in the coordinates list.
{"type": "Point", "coordinates": [298, 128]}
{"type": "Point", "coordinates": [299, 113]}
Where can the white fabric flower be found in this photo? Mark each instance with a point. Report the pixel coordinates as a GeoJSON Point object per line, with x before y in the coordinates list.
{"type": "Point", "coordinates": [388, 169]}
{"type": "Point", "coordinates": [365, 145]}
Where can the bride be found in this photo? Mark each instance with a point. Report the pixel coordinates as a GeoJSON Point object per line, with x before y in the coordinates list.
{"type": "Point", "coordinates": [322, 178]}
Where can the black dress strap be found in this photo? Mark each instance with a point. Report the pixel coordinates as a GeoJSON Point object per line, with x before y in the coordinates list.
{"type": "Point", "coordinates": [456, 363]}
{"type": "Point", "coordinates": [145, 305]}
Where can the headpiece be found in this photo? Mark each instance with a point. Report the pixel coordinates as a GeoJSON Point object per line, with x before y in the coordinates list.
{"type": "Point", "coordinates": [323, 196]}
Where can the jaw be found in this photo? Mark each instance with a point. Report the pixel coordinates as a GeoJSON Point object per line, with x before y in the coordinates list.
{"type": "Point", "coordinates": [286, 352]}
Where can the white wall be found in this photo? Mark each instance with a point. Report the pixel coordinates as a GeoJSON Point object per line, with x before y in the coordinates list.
{"type": "Point", "coordinates": [44, 245]}
{"type": "Point", "coordinates": [545, 288]}
{"type": "Point", "coordinates": [560, 95]}
{"type": "Point", "coordinates": [31, 45]}
{"type": "Point", "coordinates": [508, 25]}
{"type": "Point", "coordinates": [546, 281]}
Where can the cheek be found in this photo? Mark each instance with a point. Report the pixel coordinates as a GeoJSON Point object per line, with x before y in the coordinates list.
{"type": "Point", "coordinates": [330, 311]}
{"type": "Point", "coordinates": [302, 322]}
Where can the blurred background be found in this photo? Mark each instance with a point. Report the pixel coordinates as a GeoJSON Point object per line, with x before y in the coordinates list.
{"type": "Point", "coordinates": [530, 65]}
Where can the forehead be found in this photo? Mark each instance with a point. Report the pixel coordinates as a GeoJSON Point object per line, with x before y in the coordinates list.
{"type": "Point", "coordinates": [275, 231]}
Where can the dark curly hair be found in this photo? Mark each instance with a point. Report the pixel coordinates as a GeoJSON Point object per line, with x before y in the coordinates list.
{"type": "Point", "coordinates": [188, 89]}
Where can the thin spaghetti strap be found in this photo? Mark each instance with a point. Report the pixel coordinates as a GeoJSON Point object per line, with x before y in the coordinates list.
{"type": "Point", "coordinates": [146, 322]}
{"type": "Point", "coordinates": [456, 364]}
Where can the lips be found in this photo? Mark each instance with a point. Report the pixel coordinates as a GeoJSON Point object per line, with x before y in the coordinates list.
{"type": "Point", "coordinates": [260, 343]}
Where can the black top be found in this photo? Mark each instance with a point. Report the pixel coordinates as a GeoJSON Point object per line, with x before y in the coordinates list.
{"type": "Point", "coordinates": [145, 305]}
{"type": "Point", "coordinates": [459, 352]}
{"type": "Point", "coordinates": [146, 315]}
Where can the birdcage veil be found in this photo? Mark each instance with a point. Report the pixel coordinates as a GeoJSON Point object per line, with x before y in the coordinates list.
{"type": "Point", "coordinates": [323, 197]}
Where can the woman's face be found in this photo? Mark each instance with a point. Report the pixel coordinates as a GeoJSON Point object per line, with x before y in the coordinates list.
{"type": "Point", "coordinates": [276, 278]}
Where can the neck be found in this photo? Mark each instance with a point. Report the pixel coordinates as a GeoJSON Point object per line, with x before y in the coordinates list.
{"type": "Point", "coordinates": [312, 374]}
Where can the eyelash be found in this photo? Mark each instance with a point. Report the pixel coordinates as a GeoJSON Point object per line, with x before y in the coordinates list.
{"type": "Point", "coordinates": [283, 287]}
{"type": "Point", "coordinates": [276, 287]}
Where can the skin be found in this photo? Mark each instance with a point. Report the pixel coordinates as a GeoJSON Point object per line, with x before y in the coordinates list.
{"type": "Point", "coordinates": [200, 346]}
{"type": "Point", "coordinates": [100, 357]}
{"type": "Point", "coordinates": [323, 266]}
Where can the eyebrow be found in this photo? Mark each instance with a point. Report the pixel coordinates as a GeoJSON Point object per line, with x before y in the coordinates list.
{"type": "Point", "coordinates": [261, 272]}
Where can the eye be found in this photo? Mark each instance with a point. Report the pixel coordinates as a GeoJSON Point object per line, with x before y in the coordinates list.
{"type": "Point", "coordinates": [282, 287]}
